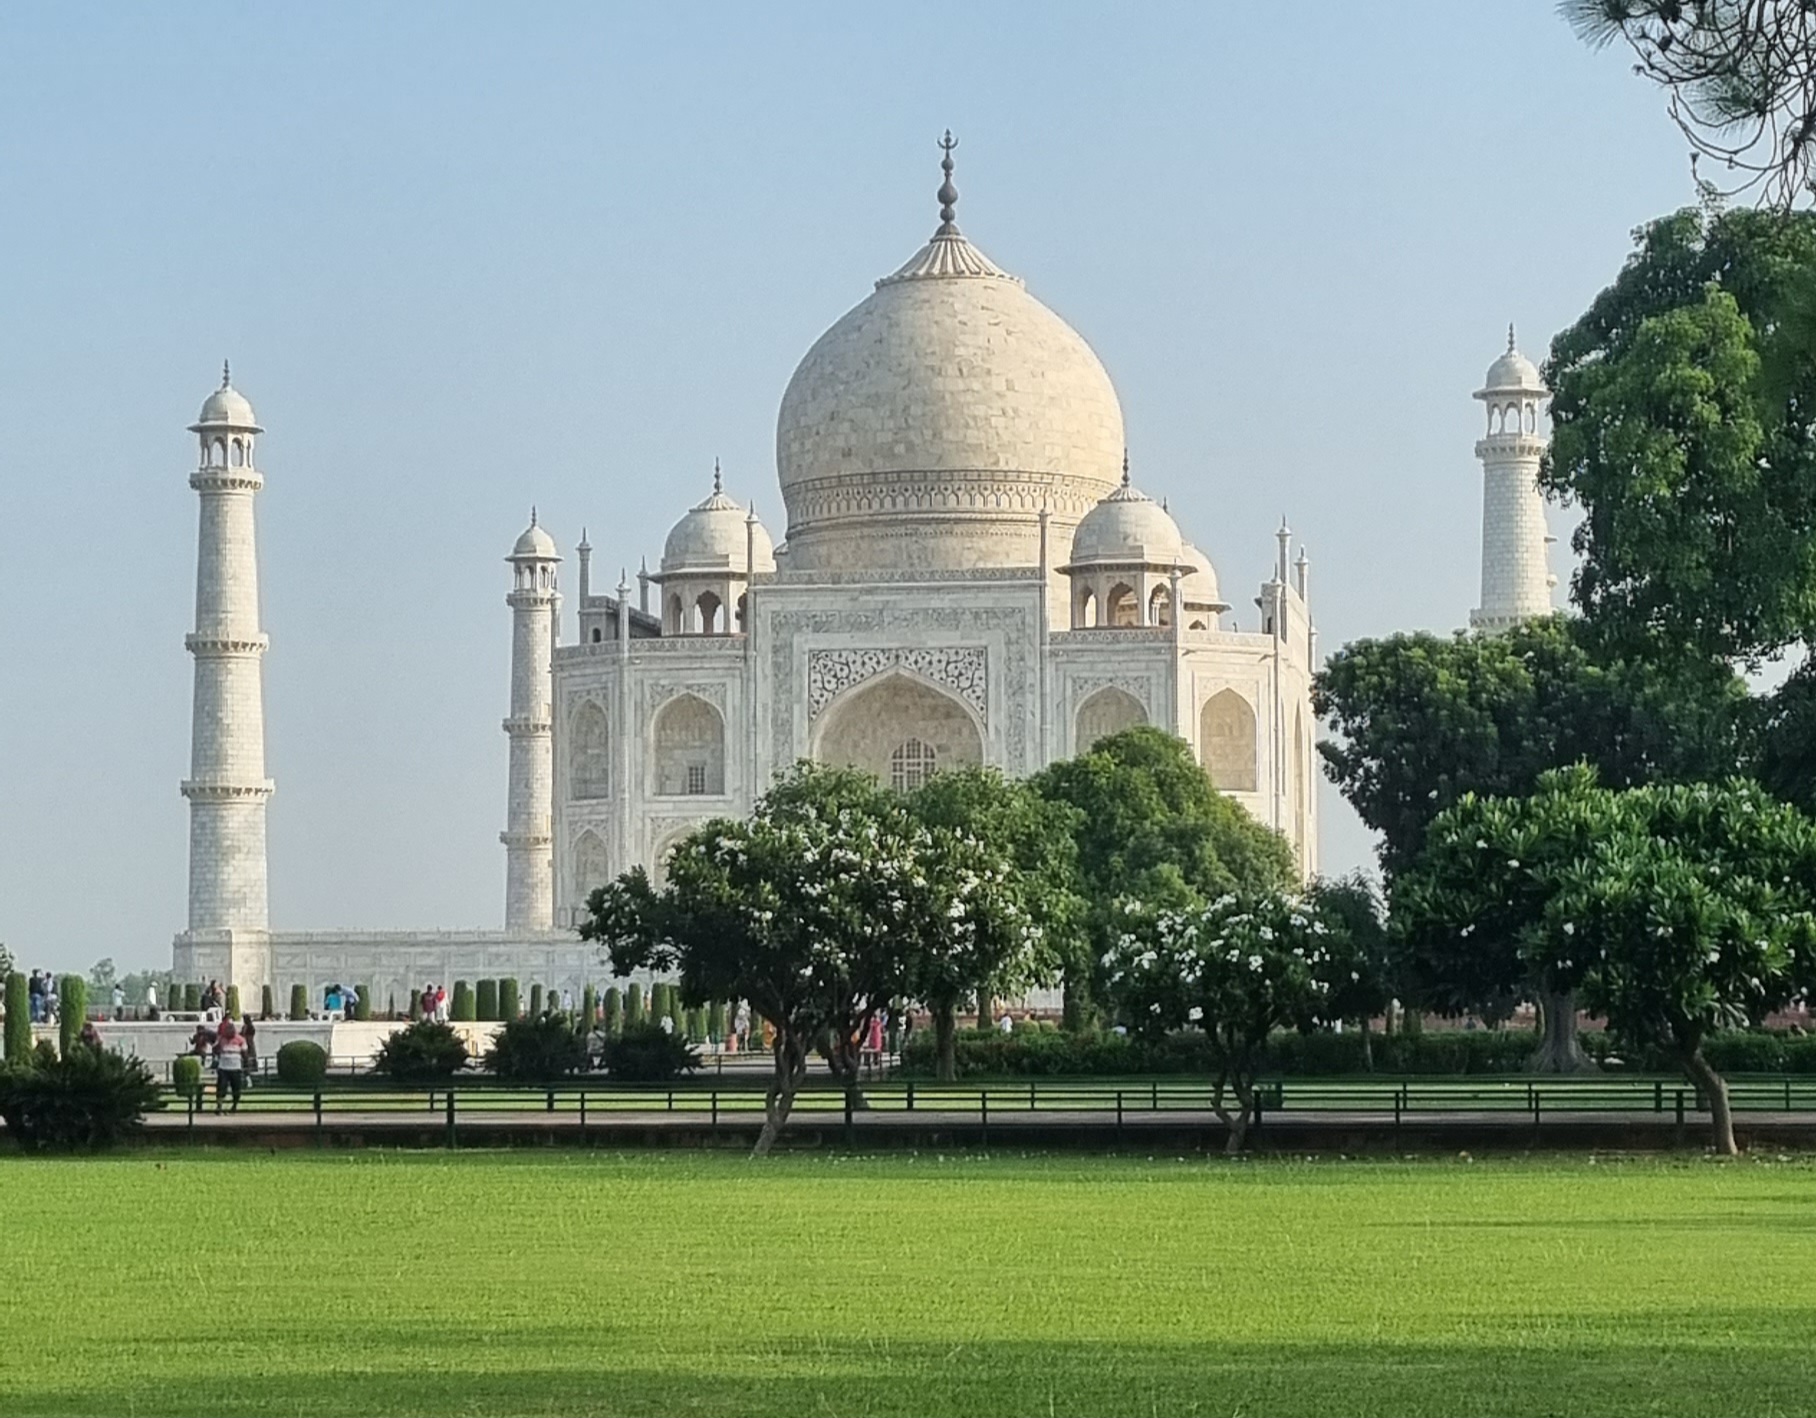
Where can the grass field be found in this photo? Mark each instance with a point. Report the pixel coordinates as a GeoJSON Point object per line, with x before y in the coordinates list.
{"type": "Point", "coordinates": [565, 1282]}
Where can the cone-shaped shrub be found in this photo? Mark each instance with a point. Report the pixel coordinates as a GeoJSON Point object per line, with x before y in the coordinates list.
{"type": "Point", "coordinates": [18, 1019]}
{"type": "Point", "coordinates": [677, 1016]}
{"type": "Point", "coordinates": [299, 1001]}
{"type": "Point", "coordinates": [613, 1021]}
{"type": "Point", "coordinates": [589, 1008]}
{"type": "Point", "coordinates": [192, 996]}
{"type": "Point", "coordinates": [233, 1001]}
{"type": "Point", "coordinates": [362, 1002]}
{"type": "Point", "coordinates": [509, 1000]}
{"type": "Point", "coordinates": [462, 1006]}
{"type": "Point", "coordinates": [267, 1005]}
{"type": "Point", "coordinates": [72, 1009]}
{"type": "Point", "coordinates": [391, 1006]}
{"type": "Point", "coordinates": [486, 1000]}
{"type": "Point", "coordinates": [415, 1005]}
{"type": "Point", "coordinates": [715, 1023]}
{"type": "Point", "coordinates": [535, 1001]}
{"type": "Point", "coordinates": [633, 1004]}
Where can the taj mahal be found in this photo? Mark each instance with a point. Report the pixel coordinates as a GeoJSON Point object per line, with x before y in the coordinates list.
{"type": "Point", "coordinates": [969, 574]}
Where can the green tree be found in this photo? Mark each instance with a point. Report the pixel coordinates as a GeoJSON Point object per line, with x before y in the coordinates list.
{"type": "Point", "coordinates": [1423, 719]}
{"type": "Point", "coordinates": [1149, 826]}
{"type": "Point", "coordinates": [102, 977]}
{"type": "Point", "coordinates": [981, 822]}
{"type": "Point", "coordinates": [537, 1048]}
{"type": "Point", "coordinates": [1681, 426]}
{"type": "Point", "coordinates": [1239, 968]}
{"type": "Point", "coordinates": [1674, 911]}
{"type": "Point", "coordinates": [813, 910]}
{"type": "Point", "coordinates": [1351, 909]}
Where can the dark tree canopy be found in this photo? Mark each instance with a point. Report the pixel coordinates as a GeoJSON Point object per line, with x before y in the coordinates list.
{"type": "Point", "coordinates": [1740, 79]}
{"type": "Point", "coordinates": [1422, 719]}
{"type": "Point", "coordinates": [1684, 425]}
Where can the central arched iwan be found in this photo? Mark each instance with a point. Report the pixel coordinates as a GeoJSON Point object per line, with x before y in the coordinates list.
{"type": "Point", "coordinates": [689, 742]}
{"type": "Point", "coordinates": [899, 728]}
{"type": "Point", "coordinates": [1109, 711]}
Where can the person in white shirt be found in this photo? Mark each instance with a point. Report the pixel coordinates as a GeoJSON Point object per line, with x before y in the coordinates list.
{"type": "Point", "coordinates": [229, 1064]}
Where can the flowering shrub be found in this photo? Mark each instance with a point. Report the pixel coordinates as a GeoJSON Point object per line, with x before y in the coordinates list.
{"type": "Point", "coordinates": [1238, 969]}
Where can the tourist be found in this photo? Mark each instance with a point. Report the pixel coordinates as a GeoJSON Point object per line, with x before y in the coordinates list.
{"type": "Point", "coordinates": [229, 1065]}
{"type": "Point", "coordinates": [35, 997]}
{"type": "Point", "coordinates": [90, 1037]}
{"type": "Point", "coordinates": [151, 998]}
{"type": "Point", "coordinates": [567, 1001]}
{"type": "Point", "coordinates": [248, 1035]}
{"type": "Point", "coordinates": [212, 997]}
{"type": "Point", "coordinates": [53, 1005]}
{"type": "Point", "coordinates": [201, 1041]}
{"type": "Point", "coordinates": [741, 1027]}
{"type": "Point", "coordinates": [1006, 1023]}
{"type": "Point", "coordinates": [667, 1024]}
{"type": "Point", "coordinates": [119, 1001]}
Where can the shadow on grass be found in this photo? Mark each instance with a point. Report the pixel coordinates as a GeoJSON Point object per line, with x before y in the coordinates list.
{"type": "Point", "coordinates": [580, 1369]}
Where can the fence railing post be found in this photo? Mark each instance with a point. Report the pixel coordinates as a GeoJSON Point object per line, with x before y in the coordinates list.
{"type": "Point", "coordinates": [715, 1111]}
{"type": "Point", "coordinates": [583, 1112]}
{"type": "Point", "coordinates": [911, 1095]}
{"type": "Point", "coordinates": [1119, 1115]}
{"type": "Point", "coordinates": [450, 1125]}
{"type": "Point", "coordinates": [551, 1107]}
{"type": "Point", "coordinates": [983, 1107]}
{"type": "Point", "coordinates": [1031, 1095]}
{"type": "Point", "coordinates": [849, 1135]}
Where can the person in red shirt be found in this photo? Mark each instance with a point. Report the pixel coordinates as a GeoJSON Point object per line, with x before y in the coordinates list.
{"type": "Point", "coordinates": [229, 1065]}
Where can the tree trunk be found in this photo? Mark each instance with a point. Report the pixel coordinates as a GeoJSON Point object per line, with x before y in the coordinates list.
{"type": "Point", "coordinates": [1559, 1050]}
{"type": "Point", "coordinates": [1074, 1004]}
{"type": "Point", "coordinates": [945, 1032]}
{"type": "Point", "coordinates": [1715, 1089]}
{"type": "Point", "coordinates": [791, 1069]}
{"type": "Point", "coordinates": [1368, 1046]}
{"type": "Point", "coordinates": [845, 1060]}
{"type": "Point", "coordinates": [984, 1018]}
{"type": "Point", "coordinates": [1239, 1122]}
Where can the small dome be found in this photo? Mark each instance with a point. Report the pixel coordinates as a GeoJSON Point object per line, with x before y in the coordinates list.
{"type": "Point", "coordinates": [1198, 587]}
{"type": "Point", "coordinates": [1513, 372]}
{"type": "Point", "coordinates": [712, 537]}
{"type": "Point", "coordinates": [535, 544]}
{"type": "Point", "coordinates": [226, 408]}
{"type": "Point", "coordinates": [1127, 526]}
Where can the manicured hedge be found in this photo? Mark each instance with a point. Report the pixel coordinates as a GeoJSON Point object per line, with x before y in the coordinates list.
{"type": "Point", "coordinates": [18, 1018]}
{"type": "Point", "coordinates": [613, 1021]}
{"type": "Point", "coordinates": [186, 1076]}
{"type": "Point", "coordinates": [461, 1006]}
{"type": "Point", "coordinates": [589, 1008]}
{"type": "Point", "coordinates": [299, 1001]}
{"type": "Point", "coordinates": [486, 1000]}
{"type": "Point", "coordinates": [267, 1005]}
{"type": "Point", "coordinates": [1038, 1053]}
{"type": "Point", "coordinates": [233, 1002]}
{"type": "Point", "coordinates": [509, 999]}
{"type": "Point", "coordinates": [72, 1010]}
{"type": "Point", "coordinates": [302, 1063]}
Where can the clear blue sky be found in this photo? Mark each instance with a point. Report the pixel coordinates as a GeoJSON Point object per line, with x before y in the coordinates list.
{"type": "Point", "coordinates": [466, 258]}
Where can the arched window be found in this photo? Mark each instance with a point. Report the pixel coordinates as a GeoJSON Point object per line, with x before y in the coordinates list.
{"type": "Point", "coordinates": [912, 764]}
{"type": "Point", "coordinates": [598, 635]}
{"type": "Point", "coordinates": [237, 458]}
{"type": "Point", "coordinates": [1160, 606]}
{"type": "Point", "coordinates": [743, 611]}
{"type": "Point", "coordinates": [677, 624]}
{"type": "Point", "coordinates": [1226, 742]}
{"type": "Point", "coordinates": [708, 607]}
{"type": "Point", "coordinates": [591, 753]}
{"type": "Point", "coordinates": [590, 870]}
{"type": "Point", "coordinates": [690, 748]}
{"type": "Point", "coordinates": [1087, 608]}
{"type": "Point", "coordinates": [1109, 711]}
{"type": "Point", "coordinates": [1120, 607]}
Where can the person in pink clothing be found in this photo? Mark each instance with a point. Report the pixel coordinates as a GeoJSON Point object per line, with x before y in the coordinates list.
{"type": "Point", "coordinates": [229, 1064]}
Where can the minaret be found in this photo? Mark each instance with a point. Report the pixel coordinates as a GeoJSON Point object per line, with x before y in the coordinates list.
{"type": "Point", "coordinates": [529, 887]}
{"type": "Point", "coordinates": [1516, 582]}
{"type": "Point", "coordinates": [227, 787]}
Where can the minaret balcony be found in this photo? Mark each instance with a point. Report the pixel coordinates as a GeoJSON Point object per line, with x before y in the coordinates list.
{"type": "Point", "coordinates": [202, 790]}
{"type": "Point", "coordinates": [527, 725]}
{"type": "Point", "coordinates": [226, 480]}
{"type": "Point", "coordinates": [198, 644]}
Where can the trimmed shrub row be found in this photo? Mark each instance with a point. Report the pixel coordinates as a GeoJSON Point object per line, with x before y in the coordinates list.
{"type": "Point", "coordinates": [1030, 1053]}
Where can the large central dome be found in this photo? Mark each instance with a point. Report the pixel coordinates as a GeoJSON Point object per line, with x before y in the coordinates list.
{"type": "Point", "coordinates": [929, 427]}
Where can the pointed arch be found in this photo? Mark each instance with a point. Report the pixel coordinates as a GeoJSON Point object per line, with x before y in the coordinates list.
{"type": "Point", "coordinates": [1160, 606]}
{"type": "Point", "coordinates": [870, 723]}
{"type": "Point", "coordinates": [591, 870]}
{"type": "Point", "coordinates": [1226, 742]}
{"type": "Point", "coordinates": [1108, 711]}
{"type": "Point", "coordinates": [1086, 616]}
{"type": "Point", "coordinates": [707, 607]}
{"type": "Point", "coordinates": [688, 741]}
{"type": "Point", "coordinates": [589, 752]}
{"type": "Point", "coordinates": [1120, 606]}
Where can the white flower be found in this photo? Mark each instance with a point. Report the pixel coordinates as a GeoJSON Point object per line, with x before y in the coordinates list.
{"type": "Point", "coordinates": [1513, 863]}
{"type": "Point", "coordinates": [1569, 927]}
{"type": "Point", "coordinates": [1194, 1014]}
{"type": "Point", "coordinates": [1255, 962]}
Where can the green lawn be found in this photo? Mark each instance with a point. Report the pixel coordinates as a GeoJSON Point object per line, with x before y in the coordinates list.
{"type": "Point", "coordinates": [565, 1282]}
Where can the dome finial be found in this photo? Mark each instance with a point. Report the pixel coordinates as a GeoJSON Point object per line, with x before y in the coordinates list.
{"type": "Point", "coordinates": [532, 514]}
{"type": "Point", "coordinates": [948, 194]}
{"type": "Point", "coordinates": [1510, 337]}
{"type": "Point", "coordinates": [718, 481]}
{"type": "Point", "coordinates": [226, 375]}
{"type": "Point", "coordinates": [1125, 467]}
